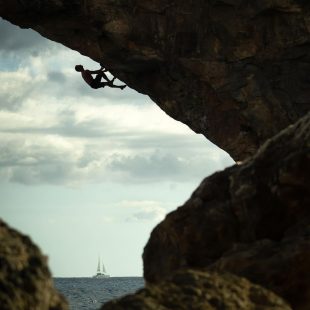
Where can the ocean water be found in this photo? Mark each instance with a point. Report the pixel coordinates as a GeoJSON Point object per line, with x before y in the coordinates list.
{"type": "Point", "coordinates": [89, 293]}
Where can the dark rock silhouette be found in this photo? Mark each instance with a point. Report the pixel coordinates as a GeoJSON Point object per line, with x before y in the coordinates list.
{"type": "Point", "coordinates": [197, 290]}
{"type": "Point", "coordinates": [235, 71]}
{"type": "Point", "coordinates": [25, 280]}
{"type": "Point", "coordinates": [252, 220]}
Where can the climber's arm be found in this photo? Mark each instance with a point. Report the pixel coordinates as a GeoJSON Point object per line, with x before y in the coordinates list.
{"type": "Point", "coordinates": [98, 71]}
{"type": "Point", "coordinates": [95, 71]}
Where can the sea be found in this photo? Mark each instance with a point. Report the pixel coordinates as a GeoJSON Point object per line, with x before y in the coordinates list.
{"type": "Point", "coordinates": [91, 293]}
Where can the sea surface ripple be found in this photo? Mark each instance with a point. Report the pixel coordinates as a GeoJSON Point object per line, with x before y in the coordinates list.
{"type": "Point", "coordinates": [90, 293]}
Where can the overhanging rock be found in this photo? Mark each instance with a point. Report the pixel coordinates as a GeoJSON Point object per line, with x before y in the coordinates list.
{"type": "Point", "coordinates": [235, 71]}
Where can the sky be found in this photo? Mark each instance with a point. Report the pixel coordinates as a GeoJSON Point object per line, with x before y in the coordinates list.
{"type": "Point", "coordinates": [84, 172]}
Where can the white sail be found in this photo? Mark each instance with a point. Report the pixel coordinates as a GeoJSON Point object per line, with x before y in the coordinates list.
{"type": "Point", "coordinates": [100, 274]}
{"type": "Point", "coordinates": [98, 267]}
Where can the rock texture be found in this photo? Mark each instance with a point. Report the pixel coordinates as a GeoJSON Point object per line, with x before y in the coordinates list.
{"type": "Point", "coordinates": [253, 220]}
{"type": "Point", "coordinates": [281, 266]}
{"type": "Point", "coordinates": [25, 281]}
{"type": "Point", "coordinates": [199, 290]}
{"type": "Point", "coordinates": [235, 71]}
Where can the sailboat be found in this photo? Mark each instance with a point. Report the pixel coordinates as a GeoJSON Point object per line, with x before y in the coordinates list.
{"type": "Point", "coordinates": [99, 274]}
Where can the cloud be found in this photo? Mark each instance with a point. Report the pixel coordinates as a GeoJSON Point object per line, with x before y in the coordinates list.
{"type": "Point", "coordinates": [14, 87]}
{"type": "Point", "coordinates": [34, 66]}
{"type": "Point", "coordinates": [154, 214]}
{"type": "Point", "coordinates": [159, 166]}
{"type": "Point", "coordinates": [13, 40]}
{"type": "Point", "coordinates": [21, 46]}
{"type": "Point", "coordinates": [55, 160]}
{"type": "Point", "coordinates": [78, 144]}
{"type": "Point", "coordinates": [57, 77]}
{"type": "Point", "coordinates": [153, 166]}
{"type": "Point", "coordinates": [46, 173]}
{"type": "Point", "coordinates": [37, 79]}
{"type": "Point", "coordinates": [33, 162]}
{"type": "Point", "coordinates": [145, 210]}
{"type": "Point", "coordinates": [55, 129]}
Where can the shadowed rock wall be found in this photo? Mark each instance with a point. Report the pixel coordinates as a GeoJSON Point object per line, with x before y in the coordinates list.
{"type": "Point", "coordinates": [252, 220]}
{"type": "Point", "coordinates": [198, 290]}
{"type": "Point", "coordinates": [235, 71]}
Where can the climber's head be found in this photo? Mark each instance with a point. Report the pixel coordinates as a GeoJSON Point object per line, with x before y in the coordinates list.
{"type": "Point", "coordinates": [79, 68]}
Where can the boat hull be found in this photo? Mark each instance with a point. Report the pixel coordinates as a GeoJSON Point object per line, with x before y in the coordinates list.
{"type": "Point", "coordinates": [101, 276]}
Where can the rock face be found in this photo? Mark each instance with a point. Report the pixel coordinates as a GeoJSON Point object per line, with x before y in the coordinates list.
{"type": "Point", "coordinates": [199, 290]}
{"type": "Point", "coordinates": [235, 71]}
{"type": "Point", "coordinates": [252, 220]}
{"type": "Point", "coordinates": [281, 266]}
{"type": "Point", "coordinates": [25, 281]}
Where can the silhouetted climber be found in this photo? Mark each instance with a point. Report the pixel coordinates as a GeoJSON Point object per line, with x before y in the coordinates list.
{"type": "Point", "coordinates": [96, 82]}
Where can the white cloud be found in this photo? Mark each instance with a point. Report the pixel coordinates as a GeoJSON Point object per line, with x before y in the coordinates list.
{"type": "Point", "coordinates": [16, 42]}
{"type": "Point", "coordinates": [73, 141]}
{"type": "Point", "coordinates": [14, 87]}
{"type": "Point", "coordinates": [55, 129]}
{"type": "Point", "coordinates": [147, 214]}
{"type": "Point", "coordinates": [145, 210]}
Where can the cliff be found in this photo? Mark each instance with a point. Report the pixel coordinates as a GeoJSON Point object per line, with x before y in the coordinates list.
{"type": "Point", "coordinates": [252, 220]}
{"type": "Point", "coordinates": [237, 72]}
{"type": "Point", "coordinates": [197, 290]}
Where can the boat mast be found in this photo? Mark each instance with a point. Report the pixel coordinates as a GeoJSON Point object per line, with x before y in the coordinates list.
{"type": "Point", "coordinates": [103, 269]}
{"type": "Point", "coordinates": [98, 267]}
